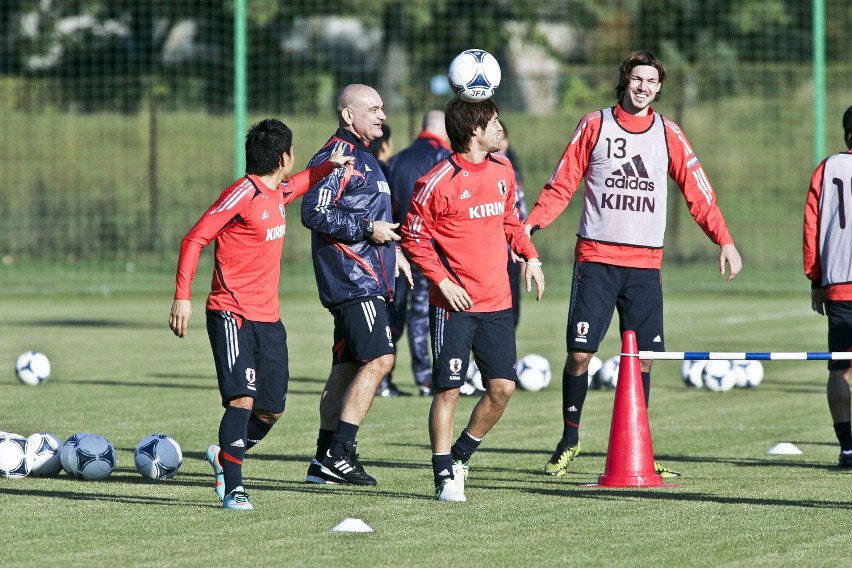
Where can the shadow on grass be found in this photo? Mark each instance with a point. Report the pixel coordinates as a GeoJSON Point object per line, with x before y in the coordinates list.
{"type": "Point", "coordinates": [671, 494]}
{"type": "Point", "coordinates": [89, 323]}
{"type": "Point", "coordinates": [210, 384]}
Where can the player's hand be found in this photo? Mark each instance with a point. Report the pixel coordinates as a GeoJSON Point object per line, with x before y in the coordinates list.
{"type": "Point", "coordinates": [383, 232]}
{"type": "Point", "coordinates": [179, 317]}
{"type": "Point", "coordinates": [730, 255]}
{"type": "Point", "coordinates": [818, 300]}
{"type": "Point", "coordinates": [403, 266]}
{"type": "Point", "coordinates": [339, 160]}
{"type": "Point", "coordinates": [528, 229]}
{"type": "Point", "coordinates": [534, 273]}
{"type": "Point", "coordinates": [455, 295]}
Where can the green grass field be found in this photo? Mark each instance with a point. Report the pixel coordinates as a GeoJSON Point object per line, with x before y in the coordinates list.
{"type": "Point", "coordinates": [119, 372]}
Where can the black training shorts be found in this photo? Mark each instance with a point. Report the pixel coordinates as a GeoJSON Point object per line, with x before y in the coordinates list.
{"type": "Point", "coordinates": [251, 359]}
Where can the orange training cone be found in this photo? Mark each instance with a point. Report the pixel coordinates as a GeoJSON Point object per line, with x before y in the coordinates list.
{"type": "Point", "coordinates": [630, 457]}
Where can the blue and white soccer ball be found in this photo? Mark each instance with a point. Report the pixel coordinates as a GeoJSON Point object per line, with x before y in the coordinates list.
{"type": "Point", "coordinates": [32, 368]}
{"type": "Point", "coordinates": [749, 373]}
{"type": "Point", "coordinates": [533, 372]}
{"type": "Point", "coordinates": [473, 381]}
{"type": "Point", "coordinates": [608, 375]}
{"type": "Point", "coordinates": [43, 454]}
{"type": "Point", "coordinates": [158, 456]}
{"type": "Point", "coordinates": [718, 376]}
{"type": "Point", "coordinates": [13, 456]}
{"type": "Point", "coordinates": [474, 75]}
{"type": "Point", "coordinates": [595, 365]}
{"type": "Point", "coordinates": [93, 458]}
{"type": "Point", "coordinates": [690, 372]}
{"type": "Point", "coordinates": [67, 453]}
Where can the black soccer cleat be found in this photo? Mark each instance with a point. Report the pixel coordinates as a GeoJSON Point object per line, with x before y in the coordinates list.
{"type": "Point", "coordinates": [346, 467]}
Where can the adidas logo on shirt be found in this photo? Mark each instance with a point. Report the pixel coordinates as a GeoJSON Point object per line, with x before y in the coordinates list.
{"type": "Point", "coordinates": [444, 473]}
{"type": "Point", "coordinates": [465, 195]}
{"type": "Point", "coordinates": [265, 215]}
{"type": "Point", "coordinates": [238, 444]}
{"type": "Point", "coordinates": [631, 175]}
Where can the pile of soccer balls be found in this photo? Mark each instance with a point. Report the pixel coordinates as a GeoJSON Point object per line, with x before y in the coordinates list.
{"type": "Point", "coordinates": [721, 375]}
{"type": "Point", "coordinates": [84, 455]}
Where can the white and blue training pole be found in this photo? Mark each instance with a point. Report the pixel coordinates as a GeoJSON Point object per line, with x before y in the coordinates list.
{"type": "Point", "coordinates": [748, 356]}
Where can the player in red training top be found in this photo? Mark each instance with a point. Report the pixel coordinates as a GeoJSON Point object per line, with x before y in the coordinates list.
{"type": "Point", "coordinates": [624, 154]}
{"type": "Point", "coordinates": [827, 248]}
{"type": "Point", "coordinates": [243, 321]}
{"type": "Point", "coordinates": [461, 217]}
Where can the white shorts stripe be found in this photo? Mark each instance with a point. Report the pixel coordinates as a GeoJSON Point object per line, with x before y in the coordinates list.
{"type": "Point", "coordinates": [369, 314]}
{"type": "Point", "coordinates": [231, 339]}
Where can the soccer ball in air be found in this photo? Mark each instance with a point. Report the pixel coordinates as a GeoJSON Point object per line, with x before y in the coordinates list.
{"type": "Point", "coordinates": [533, 372]}
{"type": "Point", "coordinates": [13, 456]}
{"type": "Point", "coordinates": [43, 454]}
{"type": "Point", "coordinates": [718, 376]}
{"type": "Point", "coordinates": [474, 75]}
{"type": "Point", "coordinates": [32, 368]}
{"type": "Point", "coordinates": [749, 373]}
{"type": "Point", "coordinates": [158, 456]}
{"type": "Point", "coordinates": [608, 375]}
{"type": "Point", "coordinates": [67, 453]}
{"type": "Point", "coordinates": [93, 458]}
{"type": "Point", "coordinates": [690, 372]}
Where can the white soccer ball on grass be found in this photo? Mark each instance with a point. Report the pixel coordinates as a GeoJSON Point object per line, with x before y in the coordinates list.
{"type": "Point", "coordinates": [32, 368]}
{"type": "Point", "coordinates": [43, 454]}
{"type": "Point", "coordinates": [533, 372]}
{"type": "Point", "coordinates": [749, 373]}
{"type": "Point", "coordinates": [13, 456]}
{"type": "Point", "coordinates": [718, 376]}
{"type": "Point", "coordinates": [158, 456]}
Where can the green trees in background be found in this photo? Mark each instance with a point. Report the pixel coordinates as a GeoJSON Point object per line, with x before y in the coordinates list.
{"type": "Point", "coordinates": [107, 55]}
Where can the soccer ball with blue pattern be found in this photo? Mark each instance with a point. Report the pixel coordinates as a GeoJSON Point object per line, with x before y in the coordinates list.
{"type": "Point", "coordinates": [158, 456]}
{"type": "Point", "coordinates": [533, 372]}
{"type": "Point", "coordinates": [93, 458]}
{"type": "Point", "coordinates": [43, 454]}
{"type": "Point", "coordinates": [474, 75]}
{"type": "Point", "coordinates": [32, 368]}
{"type": "Point", "coordinates": [13, 456]}
{"type": "Point", "coordinates": [718, 376]}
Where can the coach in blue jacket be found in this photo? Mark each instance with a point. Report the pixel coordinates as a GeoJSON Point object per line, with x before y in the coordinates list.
{"type": "Point", "coordinates": [356, 260]}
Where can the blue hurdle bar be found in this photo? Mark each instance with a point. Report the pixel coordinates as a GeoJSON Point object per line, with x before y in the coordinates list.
{"type": "Point", "coordinates": [748, 356]}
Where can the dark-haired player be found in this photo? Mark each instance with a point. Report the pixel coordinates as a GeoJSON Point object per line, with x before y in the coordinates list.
{"type": "Point", "coordinates": [827, 249]}
{"type": "Point", "coordinates": [624, 154]}
{"type": "Point", "coordinates": [247, 336]}
{"type": "Point", "coordinates": [461, 217]}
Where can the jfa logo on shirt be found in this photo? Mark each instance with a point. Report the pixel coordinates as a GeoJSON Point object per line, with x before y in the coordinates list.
{"type": "Point", "coordinates": [250, 379]}
{"type": "Point", "coordinates": [582, 331]}
{"type": "Point", "coordinates": [501, 185]}
{"type": "Point", "coordinates": [455, 366]}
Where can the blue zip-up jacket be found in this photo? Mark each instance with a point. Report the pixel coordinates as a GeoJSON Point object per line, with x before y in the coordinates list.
{"type": "Point", "coordinates": [347, 266]}
{"type": "Point", "coordinates": [410, 165]}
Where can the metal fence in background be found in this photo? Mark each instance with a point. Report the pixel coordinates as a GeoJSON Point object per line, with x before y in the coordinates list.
{"type": "Point", "coordinates": [119, 117]}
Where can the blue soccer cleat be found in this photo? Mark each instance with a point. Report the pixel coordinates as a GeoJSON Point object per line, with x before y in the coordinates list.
{"type": "Point", "coordinates": [237, 499]}
{"type": "Point", "coordinates": [213, 459]}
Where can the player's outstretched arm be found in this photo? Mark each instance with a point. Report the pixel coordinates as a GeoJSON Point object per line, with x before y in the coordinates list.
{"type": "Point", "coordinates": [179, 317]}
{"type": "Point", "coordinates": [532, 273]}
{"type": "Point", "coordinates": [730, 255]}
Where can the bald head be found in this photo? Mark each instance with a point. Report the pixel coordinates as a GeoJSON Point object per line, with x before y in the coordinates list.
{"type": "Point", "coordinates": [433, 121]}
{"type": "Point", "coordinates": [360, 110]}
